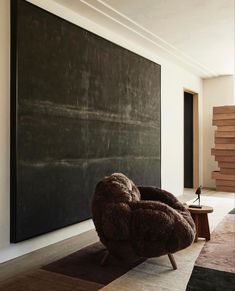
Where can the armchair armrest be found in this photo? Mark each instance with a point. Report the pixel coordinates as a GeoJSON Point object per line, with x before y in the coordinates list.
{"type": "Point", "coordinates": [157, 194]}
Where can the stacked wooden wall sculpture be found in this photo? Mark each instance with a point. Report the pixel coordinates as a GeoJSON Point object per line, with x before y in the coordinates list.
{"type": "Point", "coordinates": [224, 150]}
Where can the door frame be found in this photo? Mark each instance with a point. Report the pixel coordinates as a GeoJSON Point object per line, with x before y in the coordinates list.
{"type": "Point", "coordinates": [195, 136]}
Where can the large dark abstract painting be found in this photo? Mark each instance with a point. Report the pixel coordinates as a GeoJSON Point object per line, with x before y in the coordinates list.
{"type": "Point", "coordinates": [81, 108]}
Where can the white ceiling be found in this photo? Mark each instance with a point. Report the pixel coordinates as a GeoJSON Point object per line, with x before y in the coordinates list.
{"type": "Point", "coordinates": [197, 33]}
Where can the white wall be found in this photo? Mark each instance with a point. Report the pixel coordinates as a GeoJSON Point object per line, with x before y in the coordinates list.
{"type": "Point", "coordinates": [174, 79]}
{"type": "Point", "coordinates": [216, 92]}
{"type": "Point", "coordinates": [173, 82]}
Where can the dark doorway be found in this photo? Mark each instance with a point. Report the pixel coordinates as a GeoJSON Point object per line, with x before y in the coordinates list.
{"type": "Point", "coordinates": [188, 140]}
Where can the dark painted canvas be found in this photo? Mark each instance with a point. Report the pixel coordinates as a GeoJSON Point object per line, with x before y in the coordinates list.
{"type": "Point", "coordinates": [81, 108]}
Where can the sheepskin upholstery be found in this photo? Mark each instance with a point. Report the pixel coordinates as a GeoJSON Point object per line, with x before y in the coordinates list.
{"type": "Point", "coordinates": [134, 222]}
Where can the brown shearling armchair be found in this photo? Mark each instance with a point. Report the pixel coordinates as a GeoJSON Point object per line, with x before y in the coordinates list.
{"type": "Point", "coordinates": [139, 222]}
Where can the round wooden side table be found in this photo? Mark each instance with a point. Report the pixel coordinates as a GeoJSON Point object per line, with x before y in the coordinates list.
{"type": "Point", "coordinates": [200, 218]}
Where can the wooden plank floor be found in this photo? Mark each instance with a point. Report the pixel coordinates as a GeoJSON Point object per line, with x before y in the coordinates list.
{"type": "Point", "coordinates": [46, 255]}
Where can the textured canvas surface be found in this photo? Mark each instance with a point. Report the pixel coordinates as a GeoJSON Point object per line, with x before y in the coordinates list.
{"type": "Point", "coordinates": [83, 108]}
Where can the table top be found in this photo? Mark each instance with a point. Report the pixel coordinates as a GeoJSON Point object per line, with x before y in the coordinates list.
{"type": "Point", "coordinates": [204, 209]}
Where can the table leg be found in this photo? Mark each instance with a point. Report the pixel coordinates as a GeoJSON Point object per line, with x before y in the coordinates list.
{"type": "Point", "coordinates": [202, 226]}
{"type": "Point", "coordinates": [205, 229]}
{"type": "Point", "coordinates": [196, 221]}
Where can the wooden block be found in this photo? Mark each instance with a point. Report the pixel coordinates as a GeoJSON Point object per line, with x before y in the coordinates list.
{"type": "Point", "coordinates": [225, 158]}
{"type": "Point", "coordinates": [228, 165]}
{"type": "Point", "coordinates": [224, 150]}
{"type": "Point", "coordinates": [226, 128]}
{"type": "Point", "coordinates": [225, 183]}
{"type": "Point", "coordinates": [227, 140]}
{"type": "Point", "coordinates": [220, 152]}
{"type": "Point", "coordinates": [224, 116]}
{"type": "Point", "coordinates": [224, 146]}
{"type": "Point", "coordinates": [217, 175]}
{"type": "Point", "coordinates": [225, 133]}
{"type": "Point", "coordinates": [230, 171]}
{"type": "Point", "coordinates": [223, 122]}
{"type": "Point", "coordinates": [225, 189]}
{"type": "Point", "coordinates": [224, 109]}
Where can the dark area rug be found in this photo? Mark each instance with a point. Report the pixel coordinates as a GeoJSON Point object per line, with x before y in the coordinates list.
{"type": "Point", "coordinates": [214, 268]}
{"type": "Point", "coordinates": [80, 271]}
{"type": "Point", "coordinates": [85, 264]}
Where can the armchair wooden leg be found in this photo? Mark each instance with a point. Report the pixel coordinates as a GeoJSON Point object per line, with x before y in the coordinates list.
{"type": "Point", "coordinates": [105, 258]}
{"type": "Point", "coordinates": [172, 260]}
